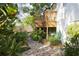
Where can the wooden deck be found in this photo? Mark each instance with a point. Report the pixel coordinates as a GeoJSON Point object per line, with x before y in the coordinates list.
{"type": "Point", "coordinates": [42, 23]}
{"type": "Point", "coordinates": [49, 19]}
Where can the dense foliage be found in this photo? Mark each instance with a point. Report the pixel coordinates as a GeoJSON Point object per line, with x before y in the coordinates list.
{"type": "Point", "coordinates": [72, 43]}
{"type": "Point", "coordinates": [36, 9]}
{"type": "Point", "coordinates": [29, 20]}
{"type": "Point", "coordinates": [38, 35]}
{"type": "Point", "coordinates": [73, 29]}
{"type": "Point", "coordinates": [10, 42]}
{"type": "Point", "coordinates": [21, 37]}
{"type": "Point", "coordinates": [72, 46]}
{"type": "Point", "coordinates": [54, 39]}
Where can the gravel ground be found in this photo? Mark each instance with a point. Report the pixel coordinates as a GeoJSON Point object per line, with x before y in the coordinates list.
{"type": "Point", "coordinates": [38, 49]}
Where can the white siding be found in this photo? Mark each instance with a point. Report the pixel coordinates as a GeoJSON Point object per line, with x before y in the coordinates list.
{"type": "Point", "coordinates": [66, 14]}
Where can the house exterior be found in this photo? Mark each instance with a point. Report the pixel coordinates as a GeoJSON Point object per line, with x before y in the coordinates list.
{"type": "Point", "coordinates": [48, 23]}
{"type": "Point", "coordinates": [62, 16]}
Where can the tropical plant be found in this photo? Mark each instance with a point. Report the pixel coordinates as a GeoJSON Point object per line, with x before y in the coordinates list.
{"type": "Point", "coordinates": [29, 20]}
{"type": "Point", "coordinates": [72, 42]}
{"type": "Point", "coordinates": [38, 35]}
{"type": "Point", "coordinates": [8, 38]}
{"type": "Point", "coordinates": [72, 46]}
{"type": "Point", "coordinates": [54, 39]}
{"type": "Point", "coordinates": [9, 45]}
{"type": "Point", "coordinates": [73, 29]}
{"type": "Point", "coordinates": [21, 37]}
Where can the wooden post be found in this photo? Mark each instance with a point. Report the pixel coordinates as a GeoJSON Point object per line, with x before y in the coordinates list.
{"type": "Point", "coordinates": [46, 18]}
{"type": "Point", "coordinates": [47, 32]}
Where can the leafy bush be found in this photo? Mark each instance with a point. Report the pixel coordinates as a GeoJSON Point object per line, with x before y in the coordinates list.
{"type": "Point", "coordinates": [72, 43]}
{"type": "Point", "coordinates": [38, 35]}
{"type": "Point", "coordinates": [73, 29]}
{"type": "Point", "coordinates": [72, 46]}
{"type": "Point", "coordinates": [29, 20]}
{"type": "Point", "coordinates": [54, 39]}
{"type": "Point", "coordinates": [10, 42]}
{"type": "Point", "coordinates": [21, 36]}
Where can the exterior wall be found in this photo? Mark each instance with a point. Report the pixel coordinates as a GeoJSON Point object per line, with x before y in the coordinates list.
{"type": "Point", "coordinates": [60, 21]}
{"type": "Point", "coordinates": [67, 13]}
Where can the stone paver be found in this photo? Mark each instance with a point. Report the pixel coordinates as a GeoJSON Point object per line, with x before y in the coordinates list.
{"type": "Point", "coordinates": [38, 49]}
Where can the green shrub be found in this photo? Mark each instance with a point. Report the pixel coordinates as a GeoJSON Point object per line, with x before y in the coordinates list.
{"type": "Point", "coordinates": [21, 36]}
{"type": "Point", "coordinates": [73, 29]}
{"type": "Point", "coordinates": [72, 42]}
{"type": "Point", "coordinates": [38, 35]}
{"type": "Point", "coordinates": [10, 42]}
{"type": "Point", "coordinates": [72, 46]}
{"type": "Point", "coordinates": [54, 39]}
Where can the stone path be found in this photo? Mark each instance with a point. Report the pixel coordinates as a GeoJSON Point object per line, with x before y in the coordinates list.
{"type": "Point", "coordinates": [38, 49]}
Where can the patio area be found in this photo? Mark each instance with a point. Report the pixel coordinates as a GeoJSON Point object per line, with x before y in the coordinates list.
{"type": "Point", "coordinates": [39, 49]}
